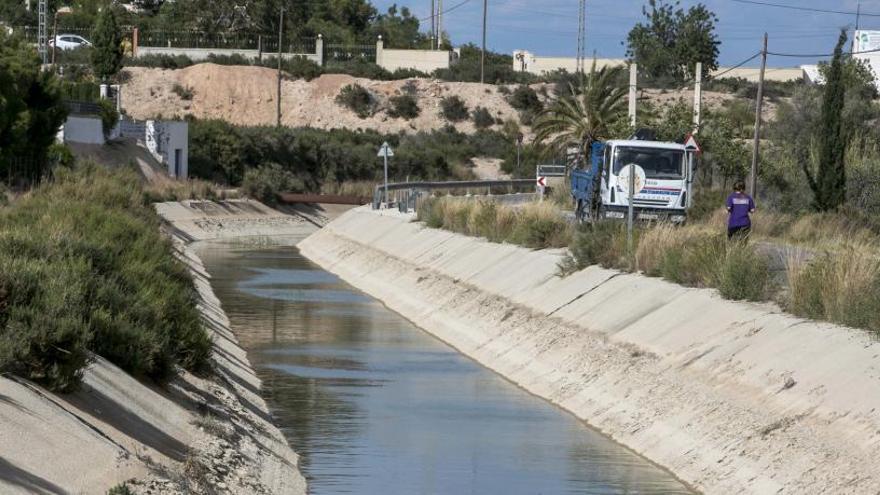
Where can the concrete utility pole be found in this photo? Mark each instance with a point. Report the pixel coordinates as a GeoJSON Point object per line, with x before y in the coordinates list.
{"type": "Point", "coordinates": [433, 26]}
{"type": "Point", "coordinates": [42, 7]}
{"type": "Point", "coordinates": [633, 81]}
{"type": "Point", "coordinates": [582, 37]}
{"type": "Point", "coordinates": [280, 42]}
{"type": "Point", "coordinates": [753, 175]}
{"type": "Point", "coordinates": [698, 96]}
{"type": "Point", "coordinates": [439, 23]}
{"type": "Point", "coordinates": [483, 53]}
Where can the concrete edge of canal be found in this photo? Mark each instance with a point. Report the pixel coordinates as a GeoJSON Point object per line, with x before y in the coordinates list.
{"type": "Point", "coordinates": [730, 397]}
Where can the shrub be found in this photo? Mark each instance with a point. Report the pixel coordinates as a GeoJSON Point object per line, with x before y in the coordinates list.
{"type": "Point", "coordinates": [185, 93]}
{"type": "Point", "coordinates": [525, 99]}
{"type": "Point", "coordinates": [120, 489]}
{"type": "Point", "coordinates": [160, 61]}
{"type": "Point", "coordinates": [404, 106]}
{"type": "Point", "coordinates": [233, 59]}
{"type": "Point", "coordinates": [298, 67]}
{"type": "Point", "coordinates": [453, 108]}
{"type": "Point", "coordinates": [83, 267]}
{"type": "Point", "coordinates": [357, 99]}
{"type": "Point", "coordinates": [267, 182]}
{"type": "Point", "coordinates": [482, 118]}
{"type": "Point", "coordinates": [359, 67]}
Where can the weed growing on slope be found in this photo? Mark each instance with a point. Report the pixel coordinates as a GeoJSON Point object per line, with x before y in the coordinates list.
{"type": "Point", "coordinates": [357, 99]}
{"type": "Point", "coordinates": [84, 268]}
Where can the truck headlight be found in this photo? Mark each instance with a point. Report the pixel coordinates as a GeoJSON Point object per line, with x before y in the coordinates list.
{"type": "Point", "coordinates": [614, 214]}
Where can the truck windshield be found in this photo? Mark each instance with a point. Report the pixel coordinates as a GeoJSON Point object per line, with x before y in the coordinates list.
{"type": "Point", "coordinates": [658, 163]}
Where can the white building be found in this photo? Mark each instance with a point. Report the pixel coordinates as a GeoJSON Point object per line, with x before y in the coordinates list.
{"type": "Point", "coordinates": [168, 142]}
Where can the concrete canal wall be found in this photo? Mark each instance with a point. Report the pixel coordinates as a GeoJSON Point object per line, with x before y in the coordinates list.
{"type": "Point", "coordinates": [731, 397]}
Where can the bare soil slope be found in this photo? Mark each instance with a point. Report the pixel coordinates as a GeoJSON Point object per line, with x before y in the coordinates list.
{"type": "Point", "coordinates": [246, 95]}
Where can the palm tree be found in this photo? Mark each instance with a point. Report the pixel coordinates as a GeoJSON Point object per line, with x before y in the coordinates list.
{"type": "Point", "coordinates": [583, 116]}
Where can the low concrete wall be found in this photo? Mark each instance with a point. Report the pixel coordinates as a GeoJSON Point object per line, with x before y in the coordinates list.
{"type": "Point", "coordinates": [731, 397]}
{"type": "Point", "coordinates": [85, 130]}
{"type": "Point", "coordinates": [422, 60]}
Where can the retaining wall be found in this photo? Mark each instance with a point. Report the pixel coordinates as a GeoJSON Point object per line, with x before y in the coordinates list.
{"type": "Point", "coordinates": [731, 397]}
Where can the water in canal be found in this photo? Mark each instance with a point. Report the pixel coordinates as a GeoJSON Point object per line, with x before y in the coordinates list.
{"type": "Point", "coordinates": [374, 405]}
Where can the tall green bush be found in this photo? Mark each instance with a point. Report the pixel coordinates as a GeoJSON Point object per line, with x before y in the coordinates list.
{"type": "Point", "coordinates": [829, 182]}
{"type": "Point", "coordinates": [107, 45]}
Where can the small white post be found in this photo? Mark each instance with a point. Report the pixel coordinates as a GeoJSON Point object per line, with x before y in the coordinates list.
{"type": "Point", "coordinates": [633, 79]}
{"type": "Point", "coordinates": [380, 46]}
{"type": "Point", "coordinates": [698, 95]}
{"type": "Point", "coordinates": [386, 179]}
{"type": "Point", "coordinates": [319, 50]}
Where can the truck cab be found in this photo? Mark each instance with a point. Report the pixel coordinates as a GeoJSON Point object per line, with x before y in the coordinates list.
{"type": "Point", "coordinates": [664, 176]}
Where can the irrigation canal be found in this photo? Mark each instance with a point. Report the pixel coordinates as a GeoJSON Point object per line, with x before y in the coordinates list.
{"type": "Point", "coordinates": [375, 405]}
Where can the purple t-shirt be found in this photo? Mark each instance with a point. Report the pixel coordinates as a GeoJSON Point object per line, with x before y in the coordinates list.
{"type": "Point", "coordinates": [739, 205]}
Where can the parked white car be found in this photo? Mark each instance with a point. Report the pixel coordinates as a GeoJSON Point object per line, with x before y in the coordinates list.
{"type": "Point", "coordinates": [69, 42]}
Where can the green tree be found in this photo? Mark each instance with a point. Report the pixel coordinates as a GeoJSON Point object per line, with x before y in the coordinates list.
{"type": "Point", "coordinates": [583, 116]}
{"type": "Point", "coordinates": [31, 111]}
{"type": "Point", "coordinates": [399, 30]}
{"type": "Point", "coordinates": [107, 41]}
{"type": "Point", "coordinates": [829, 182]}
{"type": "Point", "coordinates": [672, 41]}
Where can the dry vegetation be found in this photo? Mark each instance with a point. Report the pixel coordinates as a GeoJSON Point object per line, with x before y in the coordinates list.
{"type": "Point", "coordinates": [839, 281]}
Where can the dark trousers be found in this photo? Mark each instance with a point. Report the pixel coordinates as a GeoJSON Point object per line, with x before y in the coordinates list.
{"type": "Point", "coordinates": [738, 232]}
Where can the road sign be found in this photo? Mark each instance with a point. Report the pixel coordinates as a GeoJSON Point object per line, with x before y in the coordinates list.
{"type": "Point", "coordinates": [385, 150]}
{"type": "Point", "coordinates": [690, 143]}
{"type": "Point", "coordinates": [623, 178]}
{"type": "Point", "coordinates": [542, 182]}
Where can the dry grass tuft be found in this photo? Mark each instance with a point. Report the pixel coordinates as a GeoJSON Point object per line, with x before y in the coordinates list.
{"type": "Point", "coordinates": [841, 286]}
{"type": "Point", "coordinates": [534, 225]}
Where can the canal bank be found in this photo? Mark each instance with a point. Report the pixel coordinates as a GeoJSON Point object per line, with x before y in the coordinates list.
{"type": "Point", "coordinates": [731, 397]}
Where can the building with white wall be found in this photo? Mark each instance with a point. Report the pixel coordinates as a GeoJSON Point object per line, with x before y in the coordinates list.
{"type": "Point", "coordinates": [168, 142]}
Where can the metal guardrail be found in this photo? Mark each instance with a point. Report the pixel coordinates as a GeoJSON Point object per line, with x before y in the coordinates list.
{"type": "Point", "coordinates": [406, 195]}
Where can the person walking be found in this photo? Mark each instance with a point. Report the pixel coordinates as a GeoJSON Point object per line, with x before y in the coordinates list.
{"type": "Point", "coordinates": [740, 206]}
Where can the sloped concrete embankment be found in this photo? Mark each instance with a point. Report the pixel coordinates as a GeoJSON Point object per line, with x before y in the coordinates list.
{"type": "Point", "coordinates": [196, 435]}
{"type": "Point", "coordinates": [731, 397]}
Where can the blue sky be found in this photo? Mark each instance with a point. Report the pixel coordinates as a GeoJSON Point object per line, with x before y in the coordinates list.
{"type": "Point", "coordinates": [549, 27]}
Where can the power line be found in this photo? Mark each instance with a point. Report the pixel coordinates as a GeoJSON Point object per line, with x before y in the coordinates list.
{"type": "Point", "coordinates": [804, 9]}
{"type": "Point", "coordinates": [819, 55]}
{"type": "Point", "coordinates": [737, 66]}
{"type": "Point", "coordinates": [450, 9]}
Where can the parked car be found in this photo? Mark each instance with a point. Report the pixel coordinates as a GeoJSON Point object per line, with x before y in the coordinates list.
{"type": "Point", "coordinates": [69, 42]}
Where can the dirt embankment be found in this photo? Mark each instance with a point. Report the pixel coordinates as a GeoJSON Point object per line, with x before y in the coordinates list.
{"type": "Point", "coordinates": [246, 95]}
{"type": "Point", "coordinates": [732, 397]}
{"type": "Point", "coordinates": [197, 435]}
